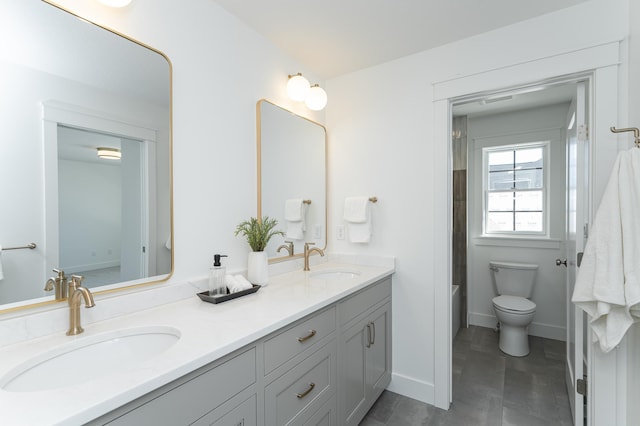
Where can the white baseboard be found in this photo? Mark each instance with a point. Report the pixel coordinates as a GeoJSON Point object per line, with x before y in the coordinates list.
{"type": "Point", "coordinates": [538, 329]}
{"type": "Point", "coordinates": [412, 388]}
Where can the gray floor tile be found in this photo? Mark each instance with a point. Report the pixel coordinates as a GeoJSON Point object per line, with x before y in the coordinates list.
{"type": "Point", "coordinates": [411, 412]}
{"type": "Point", "coordinates": [490, 388]}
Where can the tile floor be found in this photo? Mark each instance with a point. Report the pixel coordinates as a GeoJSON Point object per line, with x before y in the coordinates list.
{"type": "Point", "coordinates": [489, 388]}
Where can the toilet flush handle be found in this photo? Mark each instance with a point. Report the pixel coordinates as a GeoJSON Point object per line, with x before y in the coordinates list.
{"type": "Point", "coordinates": [561, 262]}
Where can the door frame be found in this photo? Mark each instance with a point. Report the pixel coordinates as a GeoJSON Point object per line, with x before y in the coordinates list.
{"type": "Point", "coordinates": [602, 63]}
{"type": "Point", "coordinates": [56, 113]}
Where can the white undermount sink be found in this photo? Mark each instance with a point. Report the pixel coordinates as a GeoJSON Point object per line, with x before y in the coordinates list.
{"type": "Point", "coordinates": [90, 357]}
{"type": "Point", "coordinates": [334, 274]}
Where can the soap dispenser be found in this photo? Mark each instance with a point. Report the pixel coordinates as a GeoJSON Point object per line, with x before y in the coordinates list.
{"type": "Point", "coordinates": [217, 272]}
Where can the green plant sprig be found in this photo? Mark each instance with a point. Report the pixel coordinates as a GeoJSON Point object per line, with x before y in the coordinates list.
{"type": "Point", "coordinates": [258, 232]}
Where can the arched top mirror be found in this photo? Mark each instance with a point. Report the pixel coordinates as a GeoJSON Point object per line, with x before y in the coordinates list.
{"type": "Point", "coordinates": [292, 179]}
{"type": "Point", "coordinates": [71, 87]}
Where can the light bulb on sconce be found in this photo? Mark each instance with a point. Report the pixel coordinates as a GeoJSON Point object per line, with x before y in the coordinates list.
{"type": "Point", "coordinates": [299, 89]}
{"type": "Point", "coordinates": [316, 99]}
{"type": "Point", "coordinates": [115, 3]}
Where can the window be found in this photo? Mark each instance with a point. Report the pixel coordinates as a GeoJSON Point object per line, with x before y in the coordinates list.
{"type": "Point", "coordinates": [515, 190]}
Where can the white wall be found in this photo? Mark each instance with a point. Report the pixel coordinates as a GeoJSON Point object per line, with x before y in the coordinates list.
{"type": "Point", "coordinates": [537, 124]}
{"type": "Point", "coordinates": [382, 143]}
{"type": "Point", "coordinates": [221, 68]}
{"type": "Point", "coordinates": [90, 197]}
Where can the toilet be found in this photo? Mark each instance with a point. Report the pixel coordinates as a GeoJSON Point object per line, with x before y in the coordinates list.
{"type": "Point", "coordinates": [514, 310]}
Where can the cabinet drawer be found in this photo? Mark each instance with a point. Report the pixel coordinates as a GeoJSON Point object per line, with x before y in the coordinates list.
{"type": "Point", "coordinates": [303, 389]}
{"type": "Point", "coordinates": [191, 400]}
{"type": "Point", "coordinates": [362, 301]}
{"type": "Point", "coordinates": [281, 348]}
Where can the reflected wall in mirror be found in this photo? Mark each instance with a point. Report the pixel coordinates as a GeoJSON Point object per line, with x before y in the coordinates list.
{"type": "Point", "coordinates": [69, 87]}
{"type": "Point", "coordinates": [292, 176]}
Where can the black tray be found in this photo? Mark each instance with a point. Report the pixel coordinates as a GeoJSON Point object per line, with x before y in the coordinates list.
{"type": "Point", "coordinates": [219, 299]}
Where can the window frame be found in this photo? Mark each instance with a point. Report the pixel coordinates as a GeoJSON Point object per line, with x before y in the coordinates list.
{"type": "Point", "coordinates": [545, 145]}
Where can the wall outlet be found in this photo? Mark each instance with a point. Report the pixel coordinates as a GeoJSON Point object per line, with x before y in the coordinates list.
{"type": "Point", "coordinates": [316, 232]}
{"type": "Point", "coordinates": [340, 232]}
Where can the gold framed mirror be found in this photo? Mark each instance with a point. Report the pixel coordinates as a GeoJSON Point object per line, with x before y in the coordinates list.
{"type": "Point", "coordinates": [292, 179]}
{"type": "Point", "coordinates": [73, 87]}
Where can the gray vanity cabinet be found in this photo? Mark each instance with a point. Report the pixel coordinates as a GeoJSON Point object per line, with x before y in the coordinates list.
{"type": "Point", "coordinates": [326, 369]}
{"type": "Point", "coordinates": [300, 366]}
{"type": "Point", "coordinates": [201, 397]}
{"type": "Point", "coordinates": [364, 351]}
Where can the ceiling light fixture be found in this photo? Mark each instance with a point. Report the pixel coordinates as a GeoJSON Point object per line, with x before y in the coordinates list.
{"type": "Point", "coordinates": [299, 89]}
{"type": "Point", "coordinates": [109, 153]}
{"type": "Point", "coordinates": [115, 3]}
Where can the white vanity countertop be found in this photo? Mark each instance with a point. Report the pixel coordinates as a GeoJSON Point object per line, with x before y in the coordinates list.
{"type": "Point", "coordinates": [208, 332]}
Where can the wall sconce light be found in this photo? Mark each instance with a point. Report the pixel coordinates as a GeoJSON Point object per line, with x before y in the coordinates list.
{"type": "Point", "coordinates": [316, 99]}
{"type": "Point", "coordinates": [299, 89]}
{"type": "Point", "coordinates": [109, 153]}
{"type": "Point", "coordinates": [115, 3]}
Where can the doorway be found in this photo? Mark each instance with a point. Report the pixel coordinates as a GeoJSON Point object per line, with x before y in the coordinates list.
{"type": "Point", "coordinates": [102, 205]}
{"type": "Point", "coordinates": [519, 215]}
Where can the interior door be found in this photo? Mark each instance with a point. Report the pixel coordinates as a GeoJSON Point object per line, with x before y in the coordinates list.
{"type": "Point", "coordinates": [577, 185]}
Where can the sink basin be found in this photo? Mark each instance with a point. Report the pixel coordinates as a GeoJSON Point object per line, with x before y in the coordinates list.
{"type": "Point", "coordinates": [86, 358]}
{"type": "Point", "coordinates": [334, 274]}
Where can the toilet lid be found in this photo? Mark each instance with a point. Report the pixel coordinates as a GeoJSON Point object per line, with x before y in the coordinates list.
{"type": "Point", "coordinates": [514, 304]}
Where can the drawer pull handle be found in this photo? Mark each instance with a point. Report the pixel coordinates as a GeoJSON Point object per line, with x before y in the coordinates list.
{"type": "Point", "coordinates": [373, 326]}
{"type": "Point", "coordinates": [307, 337]}
{"type": "Point", "coordinates": [369, 335]}
{"type": "Point", "coordinates": [305, 393]}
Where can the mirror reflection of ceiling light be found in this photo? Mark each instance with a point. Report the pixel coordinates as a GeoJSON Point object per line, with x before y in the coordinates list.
{"type": "Point", "coordinates": [115, 3]}
{"type": "Point", "coordinates": [299, 89]}
{"type": "Point", "coordinates": [109, 153]}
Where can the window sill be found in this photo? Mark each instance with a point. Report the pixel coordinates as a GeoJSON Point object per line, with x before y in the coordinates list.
{"type": "Point", "coordinates": [524, 242]}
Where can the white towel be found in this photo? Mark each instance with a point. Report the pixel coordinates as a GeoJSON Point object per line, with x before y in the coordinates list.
{"type": "Point", "coordinates": [1, 273]}
{"type": "Point", "coordinates": [240, 284]}
{"type": "Point", "coordinates": [608, 282]}
{"type": "Point", "coordinates": [294, 215]}
{"type": "Point", "coordinates": [357, 214]}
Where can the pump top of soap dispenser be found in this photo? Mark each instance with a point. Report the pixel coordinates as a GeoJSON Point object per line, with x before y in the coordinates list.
{"type": "Point", "coordinates": [216, 259]}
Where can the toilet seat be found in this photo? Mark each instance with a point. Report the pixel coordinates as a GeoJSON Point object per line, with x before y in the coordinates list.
{"type": "Point", "coordinates": [514, 304]}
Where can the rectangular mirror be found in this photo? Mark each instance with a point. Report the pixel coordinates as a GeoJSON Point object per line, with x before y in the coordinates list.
{"type": "Point", "coordinates": [292, 179]}
{"type": "Point", "coordinates": [69, 88]}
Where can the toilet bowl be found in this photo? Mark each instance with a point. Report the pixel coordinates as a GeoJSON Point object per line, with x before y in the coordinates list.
{"type": "Point", "coordinates": [514, 314]}
{"type": "Point", "coordinates": [513, 309]}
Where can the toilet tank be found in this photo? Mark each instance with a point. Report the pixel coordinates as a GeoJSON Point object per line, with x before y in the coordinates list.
{"type": "Point", "coordinates": [514, 279]}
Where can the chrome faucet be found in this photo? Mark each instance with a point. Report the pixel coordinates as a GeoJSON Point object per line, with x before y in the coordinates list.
{"type": "Point", "coordinates": [288, 247]}
{"type": "Point", "coordinates": [76, 291]}
{"type": "Point", "coordinates": [59, 284]}
{"type": "Point", "coordinates": [307, 252]}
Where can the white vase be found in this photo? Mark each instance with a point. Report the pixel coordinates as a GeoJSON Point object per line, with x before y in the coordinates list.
{"type": "Point", "coordinates": [258, 268]}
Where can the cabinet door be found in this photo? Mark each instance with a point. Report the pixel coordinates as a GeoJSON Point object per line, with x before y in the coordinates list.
{"type": "Point", "coordinates": [378, 354]}
{"type": "Point", "coordinates": [244, 414]}
{"type": "Point", "coordinates": [325, 416]}
{"type": "Point", "coordinates": [352, 372]}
